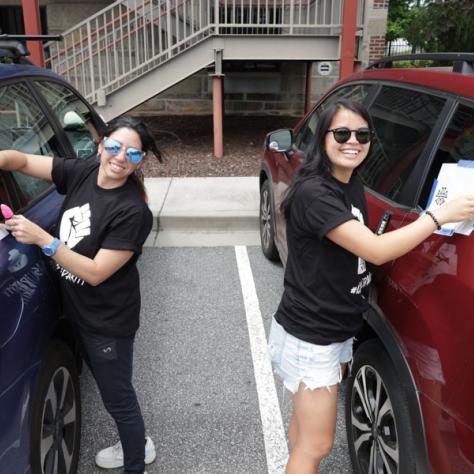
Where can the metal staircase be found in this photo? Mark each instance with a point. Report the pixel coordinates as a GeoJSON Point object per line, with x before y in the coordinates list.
{"type": "Point", "coordinates": [134, 49]}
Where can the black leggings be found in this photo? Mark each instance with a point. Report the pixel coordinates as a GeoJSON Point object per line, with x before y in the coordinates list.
{"type": "Point", "coordinates": [110, 360]}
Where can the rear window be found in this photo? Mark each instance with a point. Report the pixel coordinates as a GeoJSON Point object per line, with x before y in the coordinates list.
{"type": "Point", "coordinates": [457, 144]}
{"type": "Point", "coordinates": [305, 133]}
{"type": "Point", "coordinates": [24, 127]}
{"type": "Point", "coordinates": [74, 117]}
{"type": "Point", "coordinates": [403, 121]}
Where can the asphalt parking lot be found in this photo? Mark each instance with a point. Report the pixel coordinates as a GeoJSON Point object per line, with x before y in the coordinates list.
{"type": "Point", "coordinates": [200, 368]}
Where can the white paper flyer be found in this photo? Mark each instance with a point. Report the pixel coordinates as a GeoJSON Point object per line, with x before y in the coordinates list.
{"type": "Point", "coordinates": [453, 180]}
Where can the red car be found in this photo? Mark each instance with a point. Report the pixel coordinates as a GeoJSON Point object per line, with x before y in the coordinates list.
{"type": "Point", "coordinates": [409, 407]}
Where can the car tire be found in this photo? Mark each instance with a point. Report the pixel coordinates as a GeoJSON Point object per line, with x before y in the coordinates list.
{"type": "Point", "coordinates": [56, 416]}
{"type": "Point", "coordinates": [378, 424]}
{"type": "Point", "coordinates": [267, 224]}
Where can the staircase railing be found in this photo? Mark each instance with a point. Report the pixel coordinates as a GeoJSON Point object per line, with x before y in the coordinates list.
{"type": "Point", "coordinates": [130, 37]}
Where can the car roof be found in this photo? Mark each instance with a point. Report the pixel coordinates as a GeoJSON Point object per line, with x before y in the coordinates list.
{"type": "Point", "coordinates": [443, 81]}
{"type": "Point", "coordinates": [16, 63]}
{"type": "Point", "coordinates": [8, 71]}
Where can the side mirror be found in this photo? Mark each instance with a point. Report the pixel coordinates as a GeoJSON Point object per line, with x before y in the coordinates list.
{"type": "Point", "coordinates": [280, 141]}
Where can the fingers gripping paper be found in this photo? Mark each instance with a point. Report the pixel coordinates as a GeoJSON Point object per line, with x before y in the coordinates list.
{"type": "Point", "coordinates": [453, 180]}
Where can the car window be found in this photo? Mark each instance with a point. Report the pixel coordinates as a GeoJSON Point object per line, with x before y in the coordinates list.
{"type": "Point", "coordinates": [74, 116]}
{"type": "Point", "coordinates": [24, 127]}
{"type": "Point", "coordinates": [306, 131]}
{"type": "Point", "coordinates": [3, 193]}
{"type": "Point", "coordinates": [457, 144]}
{"type": "Point", "coordinates": [403, 121]}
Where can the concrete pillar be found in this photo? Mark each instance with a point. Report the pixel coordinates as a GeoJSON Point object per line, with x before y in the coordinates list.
{"type": "Point", "coordinates": [218, 104]}
{"type": "Point", "coordinates": [308, 87]}
{"type": "Point", "coordinates": [217, 113]}
{"type": "Point", "coordinates": [348, 36]}
{"type": "Point", "coordinates": [32, 22]}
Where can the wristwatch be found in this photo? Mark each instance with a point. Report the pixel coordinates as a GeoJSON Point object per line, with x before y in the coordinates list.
{"type": "Point", "coordinates": [50, 250]}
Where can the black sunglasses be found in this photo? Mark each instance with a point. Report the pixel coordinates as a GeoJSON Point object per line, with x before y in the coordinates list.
{"type": "Point", "coordinates": [343, 134]}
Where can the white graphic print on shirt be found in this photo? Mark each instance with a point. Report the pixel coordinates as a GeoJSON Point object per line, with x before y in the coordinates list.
{"type": "Point", "coordinates": [75, 225]}
{"type": "Point", "coordinates": [361, 267]}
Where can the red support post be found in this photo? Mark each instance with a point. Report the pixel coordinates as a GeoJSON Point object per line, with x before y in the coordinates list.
{"type": "Point", "coordinates": [348, 37]}
{"type": "Point", "coordinates": [32, 22]}
{"type": "Point", "coordinates": [309, 86]}
{"type": "Point", "coordinates": [217, 110]}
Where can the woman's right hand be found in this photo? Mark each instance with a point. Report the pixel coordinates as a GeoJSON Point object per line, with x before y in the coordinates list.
{"type": "Point", "coordinates": [456, 210]}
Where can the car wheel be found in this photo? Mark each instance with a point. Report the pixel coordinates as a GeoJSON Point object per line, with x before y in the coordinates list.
{"type": "Point", "coordinates": [377, 419]}
{"type": "Point", "coordinates": [267, 224]}
{"type": "Point", "coordinates": [56, 420]}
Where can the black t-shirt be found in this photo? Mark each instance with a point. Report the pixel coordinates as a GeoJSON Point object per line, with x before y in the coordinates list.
{"type": "Point", "coordinates": [92, 218]}
{"type": "Point", "coordinates": [326, 287]}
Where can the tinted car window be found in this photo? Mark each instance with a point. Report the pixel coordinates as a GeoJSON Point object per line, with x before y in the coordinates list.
{"type": "Point", "coordinates": [403, 121]}
{"type": "Point", "coordinates": [74, 116]}
{"type": "Point", "coordinates": [24, 127]}
{"type": "Point", "coordinates": [457, 144]}
{"type": "Point", "coordinates": [306, 132]}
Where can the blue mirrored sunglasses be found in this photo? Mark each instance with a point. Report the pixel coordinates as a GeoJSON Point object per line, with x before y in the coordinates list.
{"type": "Point", "coordinates": [113, 147]}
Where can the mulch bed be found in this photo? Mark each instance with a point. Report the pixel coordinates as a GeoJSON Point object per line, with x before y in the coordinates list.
{"type": "Point", "coordinates": [187, 145]}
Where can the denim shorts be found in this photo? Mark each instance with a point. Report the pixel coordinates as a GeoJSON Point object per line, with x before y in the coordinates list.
{"type": "Point", "coordinates": [297, 361]}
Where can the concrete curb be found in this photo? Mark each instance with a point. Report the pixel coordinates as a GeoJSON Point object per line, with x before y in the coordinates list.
{"type": "Point", "coordinates": [211, 207]}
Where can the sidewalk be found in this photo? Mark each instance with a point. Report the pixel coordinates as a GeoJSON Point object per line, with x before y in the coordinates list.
{"type": "Point", "coordinates": [203, 212]}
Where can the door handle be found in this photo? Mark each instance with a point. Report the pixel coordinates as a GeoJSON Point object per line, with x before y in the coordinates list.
{"type": "Point", "coordinates": [387, 215]}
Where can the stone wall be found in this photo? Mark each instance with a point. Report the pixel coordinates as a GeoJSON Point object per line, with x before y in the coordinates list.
{"type": "Point", "coordinates": [62, 15]}
{"type": "Point", "coordinates": [245, 93]}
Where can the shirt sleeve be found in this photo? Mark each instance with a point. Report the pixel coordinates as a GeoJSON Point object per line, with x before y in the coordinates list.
{"type": "Point", "coordinates": [323, 210]}
{"type": "Point", "coordinates": [129, 230]}
{"type": "Point", "coordinates": [64, 172]}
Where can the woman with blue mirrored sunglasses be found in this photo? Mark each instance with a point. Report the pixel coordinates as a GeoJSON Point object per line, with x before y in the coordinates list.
{"type": "Point", "coordinates": [100, 232]}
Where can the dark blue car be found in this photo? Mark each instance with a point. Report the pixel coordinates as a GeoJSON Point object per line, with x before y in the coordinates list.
{"type": "Point", "coordinates": [40, 408]}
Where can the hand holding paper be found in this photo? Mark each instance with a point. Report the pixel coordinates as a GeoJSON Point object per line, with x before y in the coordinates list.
{"type": "Point", "coordinates": [451, 198]}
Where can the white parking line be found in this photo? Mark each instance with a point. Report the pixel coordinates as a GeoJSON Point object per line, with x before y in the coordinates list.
{"type": "Point", "coordinates": [272, 424]}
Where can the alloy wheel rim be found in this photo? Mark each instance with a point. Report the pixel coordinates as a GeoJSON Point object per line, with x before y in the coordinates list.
{"type": "Point", "coordinates": [265, 219]}
{"type": "Point", "coordinates": [373, 424]}
{"type": "Point", "coordinates": [59, 421]}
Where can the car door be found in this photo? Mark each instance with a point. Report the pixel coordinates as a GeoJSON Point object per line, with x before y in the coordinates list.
{"type": "Point", "coordinates": [427, 295]}
{"type": "Point", "coordinates": [441, 291]}
{"type": "Point", "coordinates": [45, 117]}
{"type": "Point", "coordinates": [28, 300]}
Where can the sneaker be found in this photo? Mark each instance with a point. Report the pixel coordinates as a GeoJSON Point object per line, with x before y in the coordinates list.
{"type": "Point", "coordinates": [112, 457]}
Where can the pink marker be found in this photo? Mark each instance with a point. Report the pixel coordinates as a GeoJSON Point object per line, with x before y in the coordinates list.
{"type": "Point", "coordinates": [6, 211]}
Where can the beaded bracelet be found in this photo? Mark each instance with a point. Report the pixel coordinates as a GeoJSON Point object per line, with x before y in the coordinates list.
{"type": "Point", "coordinates": [429, 213]}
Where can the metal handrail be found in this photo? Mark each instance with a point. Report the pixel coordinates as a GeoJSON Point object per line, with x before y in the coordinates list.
{"type": "Point", "coordinates": [130, 37]}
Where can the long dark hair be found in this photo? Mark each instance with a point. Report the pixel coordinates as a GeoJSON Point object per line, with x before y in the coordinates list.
{"type": "Point", "coordinates": [148, 144]}
{"type": "Point", "coordinates": [316, 161]}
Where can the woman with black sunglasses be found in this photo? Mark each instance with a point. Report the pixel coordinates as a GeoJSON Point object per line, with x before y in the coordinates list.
{"type": "Point", "coordinates": [101, 229]}
{"type": "Point", "coordinates": [327, 275]}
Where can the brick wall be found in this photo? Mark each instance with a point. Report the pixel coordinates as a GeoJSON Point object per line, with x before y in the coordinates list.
{"type": "Point", "coordinates": [376, 48]}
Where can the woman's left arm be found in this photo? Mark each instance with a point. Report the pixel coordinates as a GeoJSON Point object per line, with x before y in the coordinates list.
{"type": "Point", "coordinates": [93, 271]}
{"type": "Point", "coordinates": [379, 249]}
